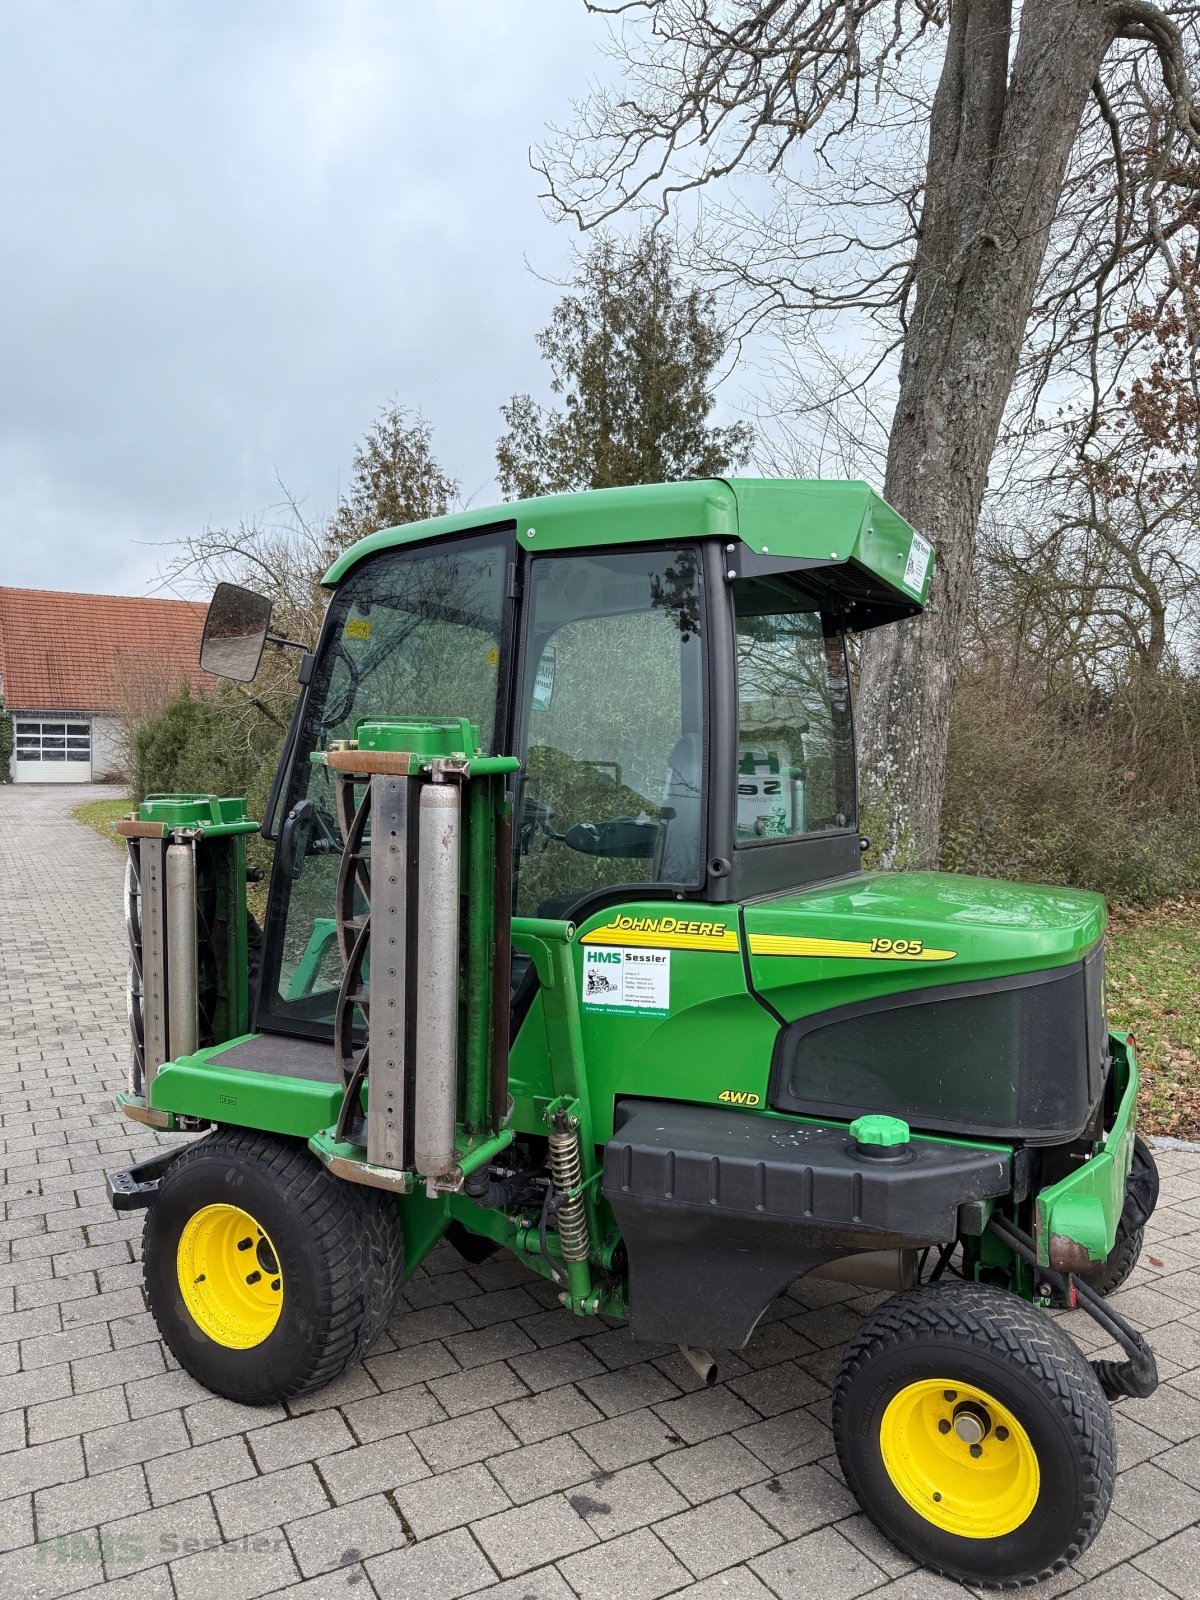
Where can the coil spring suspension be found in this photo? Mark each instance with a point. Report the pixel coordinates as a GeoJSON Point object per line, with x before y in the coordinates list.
{"type": "Point", "coordinates": [566, 1172]}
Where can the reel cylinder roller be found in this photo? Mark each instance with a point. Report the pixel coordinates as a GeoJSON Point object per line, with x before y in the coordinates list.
{"type": "Point", "coordinates": [437, 957]}
{"type": "Point", "coordinates": [419, 901]}
{"type": "Point", "coordinates": [185, 919]}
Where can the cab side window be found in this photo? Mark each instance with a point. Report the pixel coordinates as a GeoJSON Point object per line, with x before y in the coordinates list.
{"type": "Point", "coordinates": [613, 721]}
{"type": "Point", "coordinates": [795, 741]}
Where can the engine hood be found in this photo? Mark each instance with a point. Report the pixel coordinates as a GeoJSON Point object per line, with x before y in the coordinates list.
{"type": "Point", "coordinates": [877, 933]}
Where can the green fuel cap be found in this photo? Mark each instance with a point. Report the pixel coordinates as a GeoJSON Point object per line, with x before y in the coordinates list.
{"type": "Point", "coordinates": [877, 1135]}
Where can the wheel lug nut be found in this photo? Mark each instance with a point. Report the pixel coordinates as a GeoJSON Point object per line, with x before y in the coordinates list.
{"type": "Point", "coordinates": [936, 1495]}
{"type": "Point", "coordinates": [950, 1394]}
{"type": "Point", "coordinates": [943, 1426]}
{"type": "Point", "coordinates": [254, 1277]}
{"type": "Point", "coordinates": [244, 1244]}
{"type": "Point", "coordinates": [1002, 1433]}
{"type": "Point", "coordinates": [977, 1451]}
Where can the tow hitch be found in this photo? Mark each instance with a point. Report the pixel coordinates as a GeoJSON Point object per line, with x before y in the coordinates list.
{"type": "Point", "coordinates": [135, 1187]}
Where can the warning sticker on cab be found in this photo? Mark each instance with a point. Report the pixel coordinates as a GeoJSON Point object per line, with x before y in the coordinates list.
{"type": "Point", "coordinates": [920, 554]}
{"type": "Point", "coordinates": [623, 981]}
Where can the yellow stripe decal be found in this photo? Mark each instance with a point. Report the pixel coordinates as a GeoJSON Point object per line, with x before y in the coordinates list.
{"type": "Point", "coordinates": [678, 933]}
{"type": "Point", "coordinates": [785, 944]}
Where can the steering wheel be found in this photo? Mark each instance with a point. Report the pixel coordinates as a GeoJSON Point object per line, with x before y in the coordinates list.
{"type": "Point", "coordinates": [536, 817]}
{"type": "Point", "coordinates": [625, 837]}
{"type": "Point", "coordinates": [628, 838]}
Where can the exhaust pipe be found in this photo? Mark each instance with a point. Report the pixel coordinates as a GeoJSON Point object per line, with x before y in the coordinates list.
{"type": "Point", "coordinates": [436, 1043]}
{"type": "Point", "coordinates": [701, 1363]}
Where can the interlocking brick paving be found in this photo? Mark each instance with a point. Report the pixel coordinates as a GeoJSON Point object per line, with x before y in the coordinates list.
{"type": "Point", "coordinates": [492, 1443]}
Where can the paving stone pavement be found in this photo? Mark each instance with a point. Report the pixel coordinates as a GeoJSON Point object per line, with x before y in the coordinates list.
{"type": "Point", "coordinates": [491, 1443]}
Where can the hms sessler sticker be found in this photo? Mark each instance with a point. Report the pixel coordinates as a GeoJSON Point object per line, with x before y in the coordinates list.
{"type": "Point", "coordinates": [920, 553]}
{"type": "Point", "coordinates": [623, 980]}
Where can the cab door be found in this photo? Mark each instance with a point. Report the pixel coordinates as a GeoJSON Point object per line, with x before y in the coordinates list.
{"type": "Point", "coordinates": [612, 728]}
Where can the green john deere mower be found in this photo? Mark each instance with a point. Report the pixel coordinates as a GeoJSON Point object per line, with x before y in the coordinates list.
{"type": "Point", "coordinates": [568, 952]}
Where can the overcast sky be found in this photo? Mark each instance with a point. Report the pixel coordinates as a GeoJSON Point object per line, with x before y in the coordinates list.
{"type": "Point", "coordinates": [229, 232]}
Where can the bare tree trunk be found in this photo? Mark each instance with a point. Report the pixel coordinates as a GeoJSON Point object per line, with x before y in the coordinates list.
{"type": "Point", "coordinates": [998, 151]}
{"type": "Point", "coordinates": [1156, 644]}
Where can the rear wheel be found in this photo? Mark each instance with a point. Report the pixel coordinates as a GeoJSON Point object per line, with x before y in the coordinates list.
{"type": "Point", "coordinates": [974, 1434]}
{"type": "Point", "coordinates": [267, 1276]}
{"type": "Point", "coordinates": [1141, 1195]}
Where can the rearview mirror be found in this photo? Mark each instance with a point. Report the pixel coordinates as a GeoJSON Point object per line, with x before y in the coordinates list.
{"type": "Point", "coordinates": [235, 631]}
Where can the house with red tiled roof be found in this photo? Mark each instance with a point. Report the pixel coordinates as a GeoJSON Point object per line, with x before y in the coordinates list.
{"type": "Point", "coordinates": [74, 666]}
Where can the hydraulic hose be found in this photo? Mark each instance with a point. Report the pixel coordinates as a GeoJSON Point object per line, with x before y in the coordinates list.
{"type": "Point", "coordinates": [1137, 1377]}
{"type": "Point", "coordinates": [496, 1193]}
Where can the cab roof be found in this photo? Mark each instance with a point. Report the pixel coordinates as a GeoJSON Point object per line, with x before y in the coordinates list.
{"type": "Point", "coordinates": [838, 530]}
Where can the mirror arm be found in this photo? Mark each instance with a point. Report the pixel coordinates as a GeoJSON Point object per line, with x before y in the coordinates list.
{"type": "Point", "coordinates": [292, 644]}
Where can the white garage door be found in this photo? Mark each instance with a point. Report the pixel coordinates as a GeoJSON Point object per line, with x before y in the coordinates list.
{"type": "Point", "coordinates": [52, 752]}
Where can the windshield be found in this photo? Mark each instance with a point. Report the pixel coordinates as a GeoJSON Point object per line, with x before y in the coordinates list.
{"type": "Point", "coordinates": [411, 633]}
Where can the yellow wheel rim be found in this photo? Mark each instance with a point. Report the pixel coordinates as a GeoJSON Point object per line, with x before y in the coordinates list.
{"type": "Point", "coordinates": [959, 1458]}
{"type": "Point", "coordinates": [229, 1276]}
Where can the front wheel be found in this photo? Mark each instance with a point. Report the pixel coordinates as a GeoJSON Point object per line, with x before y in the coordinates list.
{"type": "Point", "coordinates": [974, 1434]}
{"type": "Point", "coordinates": [267, 1276]}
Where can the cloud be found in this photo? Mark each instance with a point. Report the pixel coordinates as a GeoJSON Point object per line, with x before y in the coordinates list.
{"type": "Point", "coordinates": [230, 233]}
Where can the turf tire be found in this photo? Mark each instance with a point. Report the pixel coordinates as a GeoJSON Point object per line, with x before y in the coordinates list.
{"type": "Point", "coordinates": [1015, 1352]}
{"type": "Point", "coordinates": [340, 1249]}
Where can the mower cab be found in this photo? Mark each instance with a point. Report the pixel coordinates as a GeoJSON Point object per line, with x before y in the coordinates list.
{"type": "Point", "coordinates": [568, 949]}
